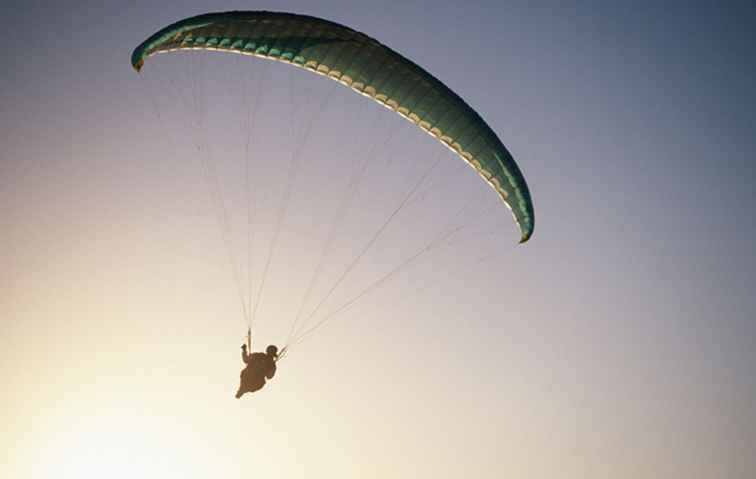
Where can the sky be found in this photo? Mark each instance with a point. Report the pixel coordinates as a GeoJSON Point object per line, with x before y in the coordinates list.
{"type": "Point", "coordinates": [617, 342]}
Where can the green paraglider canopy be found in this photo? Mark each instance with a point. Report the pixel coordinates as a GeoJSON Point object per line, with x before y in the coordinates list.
{"type": "Point", "coordinates": [367, 67]}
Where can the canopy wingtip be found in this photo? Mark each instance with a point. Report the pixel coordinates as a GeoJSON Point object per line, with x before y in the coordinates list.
{"type": "Point", "coordinates": [526, 234]}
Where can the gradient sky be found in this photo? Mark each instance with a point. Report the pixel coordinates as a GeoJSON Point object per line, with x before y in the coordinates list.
{"type": "Point", "coordinates": [618, 342]}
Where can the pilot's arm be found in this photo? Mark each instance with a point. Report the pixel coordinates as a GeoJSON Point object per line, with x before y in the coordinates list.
{"type": "Point", "coordinates": [245, 355]}
{"type": "Point", "coordinates": [271, 371]}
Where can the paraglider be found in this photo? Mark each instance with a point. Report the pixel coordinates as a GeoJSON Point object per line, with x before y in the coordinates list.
{"type": "Point", "coordinates": [367, 67]}
{"type": "Point", "coordinates": [260, 366]}
{"type": "Point", "coordinates": [373, 70]}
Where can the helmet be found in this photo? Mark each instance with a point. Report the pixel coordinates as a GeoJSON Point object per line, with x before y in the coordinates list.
{"type": "Point", "coordinates": [271, 350]}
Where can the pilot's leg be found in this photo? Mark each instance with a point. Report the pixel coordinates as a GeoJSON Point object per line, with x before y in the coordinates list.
{"type": "Point", "coordinates": [241, 390]}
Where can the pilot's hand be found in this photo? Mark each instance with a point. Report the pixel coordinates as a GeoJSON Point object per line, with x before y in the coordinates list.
{"type": "Point", "coordinates": [244, 346]}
